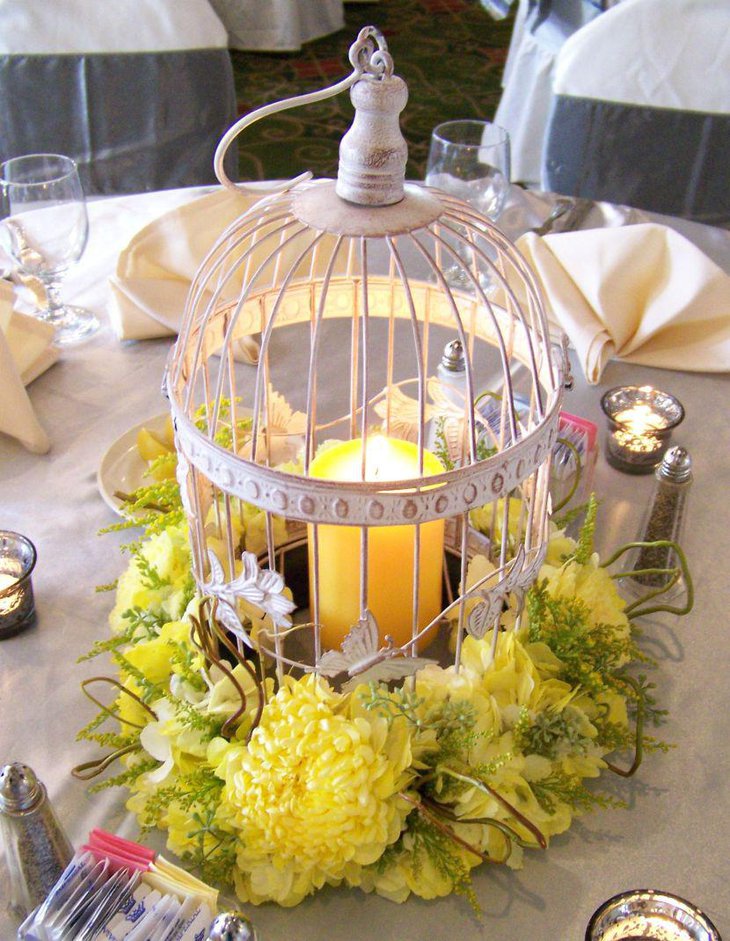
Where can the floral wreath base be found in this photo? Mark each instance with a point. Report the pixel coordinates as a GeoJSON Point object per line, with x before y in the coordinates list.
{"type": "Point", "coordinates": [282, 787]}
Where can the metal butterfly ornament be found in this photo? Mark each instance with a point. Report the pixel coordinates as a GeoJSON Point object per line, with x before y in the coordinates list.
{"type": "Point", "coordinates": [365, 661]}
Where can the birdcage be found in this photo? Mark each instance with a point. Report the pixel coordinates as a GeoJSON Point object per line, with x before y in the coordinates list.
{"type": "Point", "coordinates": [337, 489]}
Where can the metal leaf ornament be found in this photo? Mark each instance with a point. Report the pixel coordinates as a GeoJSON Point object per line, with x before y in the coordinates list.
{"type": "Point", "coordinates": [261, 588]}
{"type": "Point", "coordinates": [401, 413]}
{"type": "Point", "coordinates": [365, 661]}
{"type": "Point", "coordinates": [524, 577]}
{"type": "Point", "coordinates": [486, 612]}
{"type": "Point", "coordinates": [520, 579]}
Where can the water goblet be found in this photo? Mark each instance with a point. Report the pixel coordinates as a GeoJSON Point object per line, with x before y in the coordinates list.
{"type": "Point", "coordinates": [470, 160]}
{"type": "Point", "coordinates": [46, 226]}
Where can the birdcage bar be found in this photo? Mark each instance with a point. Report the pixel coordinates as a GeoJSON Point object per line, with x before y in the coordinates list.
{"type": "Point", "coordinates": [464, 562]}
{"type": "Point", "coordinates": [476, 286]}
{"type": "Point", "coordinates": [261, 389]}
{"type": "Point", "coordinates": [459, 211]}
{"type": "Point", "coordinates": [534, 307]}
{"type": "Point", "coordinates": [363, 572]}
{"type": "Point", "coordinates": [314, 357]}
{"type": "Point", "coordinates": [354, 352]}
{"type": "Point", "coordinates": [364, 314]}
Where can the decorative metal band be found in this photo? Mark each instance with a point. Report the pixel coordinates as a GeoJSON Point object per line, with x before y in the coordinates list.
{"type": "Point", "coordinates": [367, 504]}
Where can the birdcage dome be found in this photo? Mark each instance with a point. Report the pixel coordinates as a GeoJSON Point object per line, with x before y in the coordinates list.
{"type": "Point", "coordinates": [346, 478]}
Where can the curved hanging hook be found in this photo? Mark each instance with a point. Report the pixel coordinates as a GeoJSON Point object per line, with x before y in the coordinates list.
{"type": "Point", "coordinates": [370, 60]}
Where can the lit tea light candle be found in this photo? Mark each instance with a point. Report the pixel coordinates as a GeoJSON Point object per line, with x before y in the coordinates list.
{"type": "Point", "coordinates": [640, 424]}
{"type": "Point", "coordinates": [390, 557]}
{"type": "Point", "coordinates": [647, 915]}
{"type": "Point", "coordinates": [17, 559]}
{"type": "Point", "coordinates": [8, 599]}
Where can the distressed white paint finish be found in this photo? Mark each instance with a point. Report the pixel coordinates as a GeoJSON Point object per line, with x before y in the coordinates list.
{"type": "Point", "coordinates": [373, 153]}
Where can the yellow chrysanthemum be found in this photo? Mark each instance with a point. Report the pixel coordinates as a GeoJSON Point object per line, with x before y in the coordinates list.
{"type": "Point", "coordinates": [314, 792]}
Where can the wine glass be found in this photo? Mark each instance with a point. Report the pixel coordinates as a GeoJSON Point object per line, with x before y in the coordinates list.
{"type": "Point", "coordinates": [470, 160]}
{"type": "Point", "coordinates": [46, 226]}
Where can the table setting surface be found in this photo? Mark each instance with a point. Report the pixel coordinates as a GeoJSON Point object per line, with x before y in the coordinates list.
{"type": "Point", "coordinates": [674, 833]}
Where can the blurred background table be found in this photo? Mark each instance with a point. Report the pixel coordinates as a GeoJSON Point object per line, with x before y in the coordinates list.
{"type": "Point", "coordinates": [278, 25]}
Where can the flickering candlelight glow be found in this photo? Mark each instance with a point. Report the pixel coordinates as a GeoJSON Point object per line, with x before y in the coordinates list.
{"type": "Point", "coordinates": [640, 423]}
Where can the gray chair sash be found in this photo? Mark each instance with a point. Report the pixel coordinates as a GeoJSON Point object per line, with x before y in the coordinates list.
{"type": "Point", "coordinates": [133, 121]}
{"type": "Point", "coordinates": [658, 159]}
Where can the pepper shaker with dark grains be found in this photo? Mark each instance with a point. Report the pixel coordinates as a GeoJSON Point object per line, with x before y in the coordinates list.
{"type": "Point", "coordinates": [36, 848]}
{"type": "Point", "coordinates": [665, 517]}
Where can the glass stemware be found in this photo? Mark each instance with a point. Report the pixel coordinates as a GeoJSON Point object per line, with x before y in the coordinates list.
{"type": "Point", "coordinates": [470, 160]}
{"type": "Point", "coordinates": [46, 226]}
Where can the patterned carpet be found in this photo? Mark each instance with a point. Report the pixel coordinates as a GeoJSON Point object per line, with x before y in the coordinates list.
{"type": "Point", "coordinates": [450, 52]}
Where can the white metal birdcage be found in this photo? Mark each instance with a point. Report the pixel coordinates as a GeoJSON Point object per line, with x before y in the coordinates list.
{"type": "Point", "coordinates": [343, 465]}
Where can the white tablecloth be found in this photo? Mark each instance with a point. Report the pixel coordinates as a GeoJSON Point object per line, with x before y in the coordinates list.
{"type": "Point", "coordinates": [278, 25]}
{"type": "Point", "coordinates": [675, 833]}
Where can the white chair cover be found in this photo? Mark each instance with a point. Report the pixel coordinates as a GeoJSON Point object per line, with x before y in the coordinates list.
{"type": "Point", "coordinates": [138, 97]}
{"type": "Point", "coordinates": [641, 114]}
{"type": "Point", "coordinates": [541, 27]}
{"type": "Point", "coordinates": [278, 25]}
{"type": "Point", "coordinates": [37, 27]}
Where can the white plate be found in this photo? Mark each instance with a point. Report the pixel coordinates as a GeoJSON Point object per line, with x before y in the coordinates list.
{"type": "Point", "coordinates": [122, 467]}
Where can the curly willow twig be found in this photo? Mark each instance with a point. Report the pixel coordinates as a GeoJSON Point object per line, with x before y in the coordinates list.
{"type": "Point", "coordinates": [122, 689]}
{"type": "Point", "coordinates": [638, 732]}
{"type": "Point", "coordinates": [90, 769]}
{"type": "Point", "coordinates": [483, 786]}
{"type": "Point", "coordinates": [634, 610]}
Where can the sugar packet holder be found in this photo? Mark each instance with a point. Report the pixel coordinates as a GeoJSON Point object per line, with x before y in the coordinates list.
{"type": "Point", "coordinates": [574, 461]}
{"type": "Point", "coordinates": [116, 890]}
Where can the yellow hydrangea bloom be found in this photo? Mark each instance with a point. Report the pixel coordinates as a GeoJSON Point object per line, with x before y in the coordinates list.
{"type": "Point", "coordinates": [168, 553]}
{"type": "Point", "coordinates": [592, 585]}
{"type": "Point", "coordinates": [151, 657]}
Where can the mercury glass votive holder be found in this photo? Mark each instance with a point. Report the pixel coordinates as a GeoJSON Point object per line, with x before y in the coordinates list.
{"type": "Point", "coordinates": [640, 423]}
{"type": "Point", "coordinates": [17, 560]}
{"type": "Point", "coordinates": [648, 915]}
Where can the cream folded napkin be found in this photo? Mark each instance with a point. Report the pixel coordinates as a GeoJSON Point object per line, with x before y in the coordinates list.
{"type": "Point", "coordinates": [640, 293]}
{"type": "Point", "coordinates": [154, 271]}
{"type": "Point", "coordinates": [25, 352]}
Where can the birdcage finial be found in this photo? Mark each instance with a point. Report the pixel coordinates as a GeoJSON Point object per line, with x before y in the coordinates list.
{"type": "Point", "coordinates": [373, 153]}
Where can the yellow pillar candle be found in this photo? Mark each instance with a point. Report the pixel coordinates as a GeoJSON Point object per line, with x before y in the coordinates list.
{"type": "Point", "coordinates": [390, 561]}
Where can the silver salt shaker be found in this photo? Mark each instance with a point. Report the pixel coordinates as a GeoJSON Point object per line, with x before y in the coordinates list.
{"type": "Point", "coordinates": [232, 926]}
{"type": "Point", "coordinates": [36, 848]}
